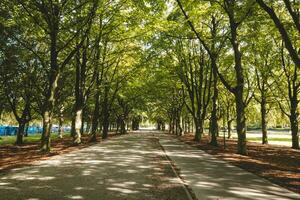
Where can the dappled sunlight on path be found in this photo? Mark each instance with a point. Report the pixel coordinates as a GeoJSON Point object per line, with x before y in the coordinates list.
{"type": "Point", "coordinates": [121, 168]}
{"type": "Point", "coordinates": [212, 178]}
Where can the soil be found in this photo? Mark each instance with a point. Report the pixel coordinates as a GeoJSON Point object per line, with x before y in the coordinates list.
{"type": "Point", "coordinates": [278, 164]}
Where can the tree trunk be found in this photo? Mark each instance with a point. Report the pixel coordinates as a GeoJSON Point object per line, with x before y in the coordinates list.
{"type": "Point", "coordinates": [78, 106]}
{"type": "Point", "coordinates": [123, 126]}
{"type": "Point", "coordinates": [214, 119]}
{"type": "Point", "coordinates": [82, 119]}
{"type": "Point", "coordinates": [294, 123]}
{"type": "Point", "coordinates": [198, 132]}
{"type": "Point", "coordinates": [53, 84]}
{"type": "Point", "coordinates": [60, 124]}
{"type": "Point", "coordinates": [239, 89]}
{"type": "Point", "coordinates": [95, 118]}
{"type": "Point", "coordinates": [105, 127]}
{"type": "Point", "coordinates": [229, 122]}
{"type": "Point", "coordinates": [170, 126]}
{"type": "Point", "coordinates": [77, 127]}
{"type": "Point", "coordinates": [105, 111]}
{"type": "Point", "coordinates": [158, 125]}
{"type": "Point", "coordinates": [26, 129]}
{"type": "Point", "coordinates": [241, 123]}
{"type": "Point", "coordinates": [264, 120]}
{"type": "Point", "coordinates": [45, 146]}
{"type": "Point", "coordinates": [20, 132]}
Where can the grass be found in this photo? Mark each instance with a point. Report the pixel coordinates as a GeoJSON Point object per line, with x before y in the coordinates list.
{"type": "Point", "coordinates": [5, 140]}
{"type": "Point", "coordinates": [255, 139]}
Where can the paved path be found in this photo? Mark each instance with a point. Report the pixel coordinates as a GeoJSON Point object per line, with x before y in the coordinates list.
{"type": "Point", "coordinates": [211, 178]}
{"type": "Point", "coordinates": [135, 167]}
{"type": "Point", "coordinates": [127, 167]}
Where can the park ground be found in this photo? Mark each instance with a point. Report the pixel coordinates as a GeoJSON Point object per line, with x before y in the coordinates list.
{"type": "Point", "coordinates": [137, 153]}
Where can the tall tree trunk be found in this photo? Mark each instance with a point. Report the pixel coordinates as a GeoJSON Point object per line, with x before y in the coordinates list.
{"type": "Point", "coordinates": [294, 123]}
{"type": "Point", "coordinates": [263, 111]}
{"type": "Point", "coordinates": [229, 122]}
{"type": "Point", "coordinates": [198, 131]}
{"type": "Point", "coordinates": [96, 115]}
{"type": "Point", "coordinates": [170, 125]}
{"type": "Point", "coordinates": [46, 142]}
{"type": "Point", "coordinates": [79, 96]}
{"type": "Point", "coordinates": [77, 118]}
{"type": "Point", "coordinates": [83, 120]}
{"type": "Point", "coordinates": [123, 126]}
{"type": "Point", "coordinates": [239, 89]}
{"type": "Point", "coordinates": [241, 123]}
{"type": "Point", "coordinates": [77, 126]}
{"type": "Point", "coordinates": [26, 129]}
{"type": "Point", "coordinates": [105, 111]}
{"type": "Point", "coordinates": [60, 124]}
{"type": "Point", "coordinates": [53, 84]}
{"type": "Point", "coordinates": [20, 132]}
{"type": "Point", "coordinates": [214, 119]}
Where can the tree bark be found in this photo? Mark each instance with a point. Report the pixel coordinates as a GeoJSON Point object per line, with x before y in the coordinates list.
{"type": "Point", "coordinates": [53, 84]}
{"type": "Point", "coordinates": [79, 93]}
{"type": "Point", "coordinates": [198, 132]}
{"type": "Point", "coordinates": [96, 114]}
{"type": "Point", "coordinates": [241, 124]}
{"type": "Point", "coordinates": [123, 126]}
{"type": "Point", "coordinates": [229, 122]}
{"type": "Point", "coordinates": [60, 124]}
{"type": "Point", "coordinates": [105, 111]}
{"type": "Point", "coordinates": [239, 89]}
{"type": "Point", "coordinates": [20, 132]}
{"type": "Point", "coordinates": [264, 120]}
{"type": "Point", "coordinates": [45, 145]}
{"type": "Point", "coordinates": [294, 123]}
{"type": "Point", "coordinates": [214, 119]}
{"type": "Point", "coordinates": [26, 129]}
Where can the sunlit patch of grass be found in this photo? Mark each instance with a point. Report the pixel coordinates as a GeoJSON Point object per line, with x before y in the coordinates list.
{"type": "Point", "coordinates": [255, 139]}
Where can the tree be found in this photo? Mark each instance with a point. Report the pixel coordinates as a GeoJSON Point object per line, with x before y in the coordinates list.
{"type": "Point", "coordinates": [50, 20]}
{"type": "Point", "coordinates": [286, 33]}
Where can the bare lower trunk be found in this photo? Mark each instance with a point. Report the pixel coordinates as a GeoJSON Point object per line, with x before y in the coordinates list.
{"type": "Point", "coordinates": [198, 131]}
{"type": "Point", "coordinates": [264, 122]}
{"type": "Point", "coordinates": [123, 126]}
{"type": "Point", "coordinates": [241, 124]}
{"type": "Point", "coordinates": [105, 128]}
{"type": "Point", "coordinates": [20, 133]}
{"type": "Point", "coordinates": [45, 146]}
{"type": "Point", "coordinates": [105, 112]}
{"type": "Point", "coordinates": [26, 129]}
{"type": "Point", "coordinates": [60, 124]}
{"type": "Point", "coordinates": [294, 124]}
{"type": "Point", "coordinates": [170, 126]}
{"type": "Point", "coordinates": [214, 119]}
{"type": "Point", "coordinates": [77, 127]}
{"type": "Point", "coordinates": [95, 118]}
{"type": "Point", "coordinates": [229, 122]}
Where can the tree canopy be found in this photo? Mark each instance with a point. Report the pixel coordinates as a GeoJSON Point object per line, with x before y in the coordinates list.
{"type": "Point", "coordinates": [183, 65]}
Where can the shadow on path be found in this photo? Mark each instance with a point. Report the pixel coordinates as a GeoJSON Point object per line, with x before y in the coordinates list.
{"type": "Point", "coordinates": [212, 178]}
{"type": "Point", "coordinates": [126, 167]}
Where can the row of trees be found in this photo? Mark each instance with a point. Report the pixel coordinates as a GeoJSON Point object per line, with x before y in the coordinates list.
{"type": "Point", "coordinates": [249, 48]}
{"type": "Point", "coordinates": [189, 64]}
{"type": "Point", "coordinates": [73, 59]}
